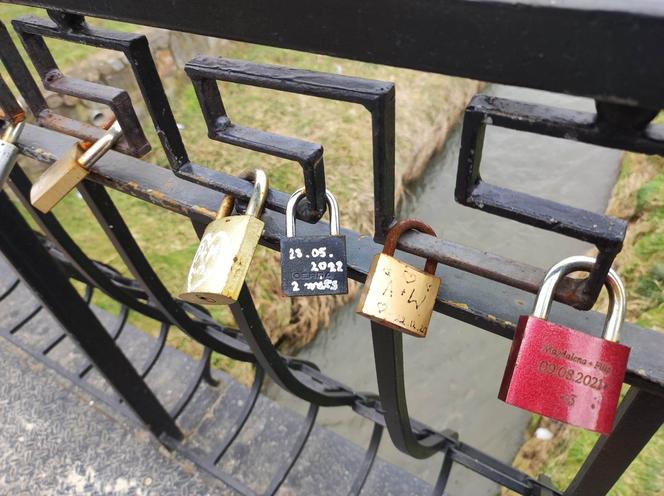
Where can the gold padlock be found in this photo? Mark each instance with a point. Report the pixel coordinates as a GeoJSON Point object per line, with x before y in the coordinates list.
{"type": "Point", "coordinates": [70, 169]}
{"type": "Point", "coordinates": [227, 247]}
{"type": "Point", "coordinates": [396, 294]}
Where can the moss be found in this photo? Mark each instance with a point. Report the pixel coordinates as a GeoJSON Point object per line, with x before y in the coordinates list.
{"type": "Point", "coordinates": [651, 196]}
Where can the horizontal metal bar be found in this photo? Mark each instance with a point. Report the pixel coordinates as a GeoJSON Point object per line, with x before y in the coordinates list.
{"type": "Point", "coordinates": [581, 47]}
{"type": "Point", "coordinates": [605, 232]}
{"type": "Point", "coordinates": [300, 81]}
{"type": "Point", "coordinates": [468, 297]}
{"type": "Point", "coordinates": [145, 181]}
{"type": "Point", "coordinates": [564, 123]}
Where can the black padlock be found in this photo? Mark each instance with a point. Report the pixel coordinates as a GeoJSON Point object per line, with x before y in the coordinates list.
{"type": "Point", "coordinates": [313, 265]}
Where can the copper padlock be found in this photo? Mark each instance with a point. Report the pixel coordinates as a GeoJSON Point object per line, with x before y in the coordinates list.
{"type": "Point", "coordinates": [70, 169]}
{"type": "Point", "coordinates": [566, 374]}
{"type": "Point", "coordinates": [398, 295]}
{"type": "Point", "coordinates": [227, 247]}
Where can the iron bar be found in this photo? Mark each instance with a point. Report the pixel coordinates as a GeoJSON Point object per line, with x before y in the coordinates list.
{"type": "Point", "coordinates": [192, 387]}
{"type": "Point", "coordinates": [24, 251]}
{"type": "Point", "coordinates": [90, 271]}
{"type": "Point", "coordinates": [376, 96]}
{"type": "Point", "coordinates": [118, 100]}
{"type": "Point", "coordinates": [295, 452]}
{"type": "Point", "coordinates": [12, 286]}
{"type": "Point", "coordinates": [639, 417]}
{"type": "Point", "coordinates": [241, 420]}
{"type": "Point", "coordinates": [473, 298]}
{"type": "Point", "coordinates": [388, 356]}
{"type": "Point", "coordinates": [247, 319]}
{"type": "Point", "coordinates": [443, 475]}
{"type": "Point", "coordinates": [605, 232]}
{"type": "Point", "coordinates": [368, 461]}
{"type": "Point", "coordinates": [154, 355]}
{"type": "Point", "coordinates": [53, 343]}
{"type": "Point", "coordinates": [26, 319]}
{"type": "Point", "coordinates": [10, 110]}
{"type": "Point", "coordinates": [118, 233]}
{"type": "Point", "coordinates": [365, 405]}
{"type": "Point", "coordinates": [474, 39]}
{"type": "Point", "coordinates": [115, 334]}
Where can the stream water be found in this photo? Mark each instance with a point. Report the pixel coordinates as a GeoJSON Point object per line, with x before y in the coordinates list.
{"type": "Point", "coordinates": [452, 376]}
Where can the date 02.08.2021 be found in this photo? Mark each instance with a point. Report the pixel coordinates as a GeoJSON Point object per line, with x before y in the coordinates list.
{"type": "Point", "coordinates": [571, 375]}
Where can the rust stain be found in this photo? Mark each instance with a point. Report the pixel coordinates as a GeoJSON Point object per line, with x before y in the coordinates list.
{"type": "Point", "coordinates": [204, 211]}
{"type": "Point", "coordinates": [503, 323]}
{"type": "Point", "coordinates": [458, 304]}
{"type": "Point", "coordinates": [159, 195]}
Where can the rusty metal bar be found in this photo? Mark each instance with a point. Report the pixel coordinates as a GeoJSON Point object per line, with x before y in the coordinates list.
{"type": "Point", "coordinates": [474, 298]}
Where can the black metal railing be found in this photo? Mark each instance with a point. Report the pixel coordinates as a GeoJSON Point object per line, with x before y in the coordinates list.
{"type": "Point", "coordinates": [473, 39]}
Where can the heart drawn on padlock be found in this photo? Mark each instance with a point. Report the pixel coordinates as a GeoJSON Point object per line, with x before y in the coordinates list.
{"type": "Point", "coordinates": [409, 276]}
{"type": "Point", "coordinates": [395, 294]}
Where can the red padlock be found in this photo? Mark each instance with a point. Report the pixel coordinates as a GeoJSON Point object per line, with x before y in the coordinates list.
{"type": "Point", "coordinates": [566, 374]}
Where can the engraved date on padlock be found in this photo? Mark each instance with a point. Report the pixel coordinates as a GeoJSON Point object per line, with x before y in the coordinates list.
{"type": "Point", "coordinates": [563, 373]}
{"type": "Point", "coordinates": [314, 265]}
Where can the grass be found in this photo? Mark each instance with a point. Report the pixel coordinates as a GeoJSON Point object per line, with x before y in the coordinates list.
{"type": "Point", "coordinates": [639, 198]}
{"type": "Point", "coordinates": [427, 106]}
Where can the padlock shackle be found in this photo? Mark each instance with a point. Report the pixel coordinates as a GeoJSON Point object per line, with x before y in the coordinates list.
{"type": "Point", "coordinates": [13, 132]}
{"type": "Point", "coordinates": [256, 203]}
{"type": "Point", "coordinates": [401, 227]}
{"type": "Point", "coordinates": [100, 147]}
{"type": "Point", "coordinates": [258, 197]}
{"type": "Point", "coordinates": [614, 286]}
{"type": "Point", "coordinates": [332, 207]}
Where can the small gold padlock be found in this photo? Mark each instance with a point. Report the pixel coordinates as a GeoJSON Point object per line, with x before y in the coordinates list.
{"type": "Point", "coordinates": [398, 295]}
{"type": "Point", "coordinates": [70, 169]}
{"type": "Point", "coordinates": [227, 247]}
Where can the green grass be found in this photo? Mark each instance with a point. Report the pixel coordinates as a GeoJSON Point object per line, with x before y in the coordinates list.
{"type": "Point", "coordinates": [644, 477]}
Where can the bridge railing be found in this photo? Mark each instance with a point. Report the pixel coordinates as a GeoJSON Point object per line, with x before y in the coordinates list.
{"type": "Point", "coordinates": [464, 38]}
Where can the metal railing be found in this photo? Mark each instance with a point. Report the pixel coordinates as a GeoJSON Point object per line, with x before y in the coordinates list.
{"type": "Point", "coordinates": [455, 37]}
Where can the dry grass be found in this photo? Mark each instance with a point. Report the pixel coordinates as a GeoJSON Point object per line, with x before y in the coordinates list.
{"type": "Point", "coordinates": [427, 105]}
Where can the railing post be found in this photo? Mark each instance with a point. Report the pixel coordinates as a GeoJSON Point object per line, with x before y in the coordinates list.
{"type": "Point", "coordinates": [39, 271]}
{"type": "Point", "coordinates": [640, 416]}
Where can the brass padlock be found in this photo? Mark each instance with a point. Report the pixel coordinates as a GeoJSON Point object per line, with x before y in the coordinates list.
{"type": "Point", "coordinates": [396, 294]}
{"type": "Point", "coordinates": [9, 150]}
{"type": "Point", "coordinates": [70, 169]}
{"type": "Point", "coordinates": [227, 247]}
